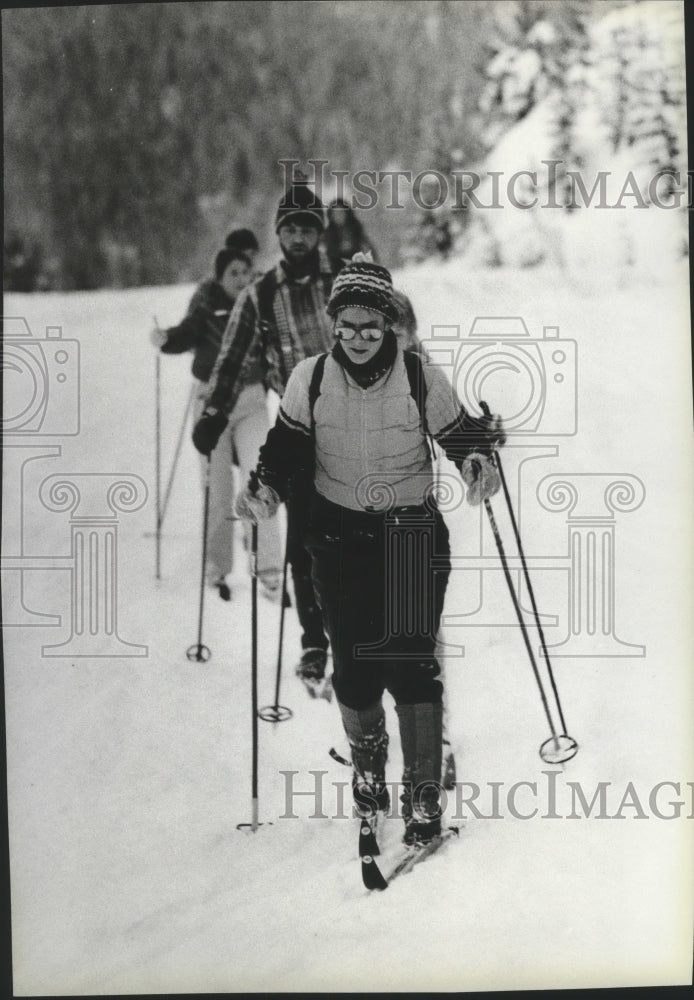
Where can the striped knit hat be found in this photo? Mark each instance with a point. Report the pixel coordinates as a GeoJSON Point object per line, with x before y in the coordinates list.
{"type": "Point", "coordinates": [366, 284]}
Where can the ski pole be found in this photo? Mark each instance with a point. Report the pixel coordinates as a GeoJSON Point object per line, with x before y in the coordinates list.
{"type": "Point", "coordinates": [277, 712]}
{"type": "Point", "coordinates": [531, 592]}
{"type": "Point", "coordinates": [564, 746]}
{"type": "Point", "coordinates": [253, 825]}
{"type": "Point", "coordinates": [198, 652]}
{"type": "Point", "coordinates": [174, 464]}
{"type": "Point", "coordinates": [496, 458]}
{"type": "Point", "coordinates": [157, 462]}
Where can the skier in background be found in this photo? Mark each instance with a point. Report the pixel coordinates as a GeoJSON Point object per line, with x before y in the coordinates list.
{"type": "Point", "coordinates": [348, 418]}
{"type": "Point", "coordinates": [405, 326]}
{"type": "Point", "coordinates": [344, 235]}
{"type": "Point", "coordinates": [245, 241]}
{"type": "Point", "coordinates": [278, 321]}
{"type": "Point", "coordinates": [201, 331]}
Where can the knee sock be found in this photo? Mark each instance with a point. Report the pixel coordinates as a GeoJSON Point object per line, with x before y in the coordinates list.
{"type": "Point", "coordinates": [368, 739]}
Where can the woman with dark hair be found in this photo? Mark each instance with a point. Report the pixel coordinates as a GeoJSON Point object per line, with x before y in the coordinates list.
{"type": "Point", "coordinates": [344, 235]}
{"type": "Point", "coordinates": [201, 331]}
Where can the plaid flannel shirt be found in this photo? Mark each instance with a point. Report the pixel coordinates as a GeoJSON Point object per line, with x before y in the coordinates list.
{"type": "Point", "coordinates": [202, 328]}
{"type": "Point", "coordinates": [300, 329]}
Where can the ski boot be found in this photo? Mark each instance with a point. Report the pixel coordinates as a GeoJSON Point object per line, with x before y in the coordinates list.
{"type": "Point", "coordinates": [222, 588]}
{"type": "Point", "coordinates": [421, 810]}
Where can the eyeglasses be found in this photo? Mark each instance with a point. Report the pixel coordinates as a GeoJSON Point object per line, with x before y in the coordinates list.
{"type": "Point", "coordinates": [367, 332]}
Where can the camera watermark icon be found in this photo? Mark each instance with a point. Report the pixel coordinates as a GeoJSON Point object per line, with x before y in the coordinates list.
{"type": "Point", "coordinates": [591, 501]}
{"type": "Point", "coordinates": [19, 460]}
{"type": "Point", "coordinates": [94, 501]}
{"type": "Point", "coordinates": [588, 563]}
{"type": "Point", "coordinates": [41, 381]}
{"type": "Point", "coordinates": [531, 382]}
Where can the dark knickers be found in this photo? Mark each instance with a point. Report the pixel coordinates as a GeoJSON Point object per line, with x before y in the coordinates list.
{"type": "Point", "coordinates": [308, 611]}
{"type": "Point", "coordinates": [381, 582]}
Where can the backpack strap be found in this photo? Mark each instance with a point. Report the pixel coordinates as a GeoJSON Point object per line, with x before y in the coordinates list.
{"type": "Point", "coordinates": [314, 388]}
{"type": "Point", "coordinates": [418, 385]}
{"type": "Point", "coordinates": [415, 376]}
{"type": "Point", "coordinates": [418, 390]}
{"type": "Point", "coordinates": [266, 293]}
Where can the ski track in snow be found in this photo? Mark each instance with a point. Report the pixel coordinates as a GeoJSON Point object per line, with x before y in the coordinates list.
{"type": "Point", "coordinates": [127, 776]}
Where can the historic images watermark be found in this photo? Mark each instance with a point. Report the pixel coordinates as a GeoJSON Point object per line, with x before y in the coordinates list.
{"type": "Point", "coordinates": [550, 799]}
{"type": "Point", "coordinates": [41, 381]}
{"type": "Point", "coordinates": [42, 404]}
{"type": "Point", "coordinates": [495, 189]}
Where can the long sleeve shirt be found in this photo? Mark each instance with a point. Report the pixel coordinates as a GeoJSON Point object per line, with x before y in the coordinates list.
{"type": "Point", "coordinates": [276, 323]}
{"type": "Point", "coordinates": [201, 328]}
{"type": "Point", "coordinates": [367, 446]}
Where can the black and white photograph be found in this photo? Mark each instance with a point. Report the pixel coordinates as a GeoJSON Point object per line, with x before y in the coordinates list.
{"type": "Point", "coordinates": [347, 482]}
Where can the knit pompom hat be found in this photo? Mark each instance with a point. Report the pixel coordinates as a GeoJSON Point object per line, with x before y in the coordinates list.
{"type": "Point", "coordinates": [364, 283]}
{"type": "Point", "coordinates": [301, 205]}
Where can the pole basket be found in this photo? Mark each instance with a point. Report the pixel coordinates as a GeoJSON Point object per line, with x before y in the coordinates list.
{"type": "Point", "coordinates": [558, 749]}
{"type": "Point", "coordinates": [254, 823]}
{"type": "Point", "coordinates": [275, 713]}
{"type": "Point", "coordinates": [198, 653]}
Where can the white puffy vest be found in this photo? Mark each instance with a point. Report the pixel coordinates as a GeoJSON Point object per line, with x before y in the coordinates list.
{"type": "Point", "coordinates": [370, 449]}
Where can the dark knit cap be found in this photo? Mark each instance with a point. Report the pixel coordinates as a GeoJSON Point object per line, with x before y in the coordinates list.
{"type": "Point", "coordinates": [366, 284]}
{"type": "Point", "coordinates": [241, 239]}
{"type": "Point", "coordinates": [224, 259]}
{"type": "Point", "coordinates": [301, 205]}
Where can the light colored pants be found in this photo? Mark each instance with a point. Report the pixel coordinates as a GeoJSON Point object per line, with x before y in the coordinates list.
{"type": "Point", "coordinates": [242, 438]}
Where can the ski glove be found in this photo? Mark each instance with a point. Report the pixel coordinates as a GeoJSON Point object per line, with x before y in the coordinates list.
{"type": "Point", "coordinates": [481, 478]}
{"type": "Point", "coordinates": [208, 430]}
{"type": "Point", "coordinates": [257, 501]}
{"type": "Point", "coordinates": [493, 430]}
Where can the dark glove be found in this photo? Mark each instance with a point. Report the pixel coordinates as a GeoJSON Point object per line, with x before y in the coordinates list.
{"type": "Point", "coordinates": [208, 431]}
{"type": "Point", "coordinates": [492, 428]}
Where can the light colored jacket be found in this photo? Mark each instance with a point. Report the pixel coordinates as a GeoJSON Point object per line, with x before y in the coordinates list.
{"type": "Point", "coordinates": [371, 452]}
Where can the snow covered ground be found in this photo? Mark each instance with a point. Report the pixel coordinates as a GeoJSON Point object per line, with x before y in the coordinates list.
{"type": "Point", "coordinates": [128, 774]}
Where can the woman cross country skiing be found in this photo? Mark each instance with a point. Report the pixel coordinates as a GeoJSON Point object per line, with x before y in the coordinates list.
{"type": "Point", "coordinates": [201, 332]}
{"type": "Point", "coordinates": [352, 420]}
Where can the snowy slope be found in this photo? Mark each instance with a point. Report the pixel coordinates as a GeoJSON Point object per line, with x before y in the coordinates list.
{"type": "Point", "coordinates": [127, 776]}
{"type": "Point", "coordinates": [621, 96]}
